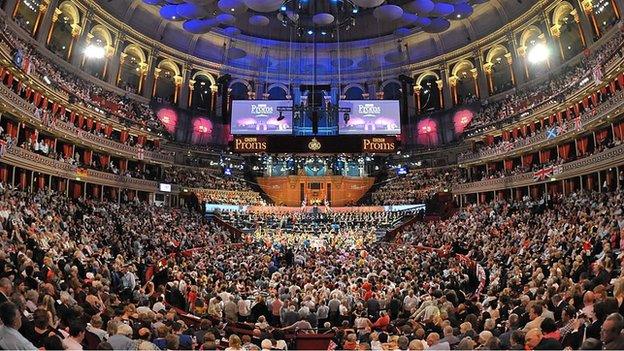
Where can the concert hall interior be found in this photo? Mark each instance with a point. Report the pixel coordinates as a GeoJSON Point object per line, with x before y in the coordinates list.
{"type": "Point", "coordinates": [311, 175]}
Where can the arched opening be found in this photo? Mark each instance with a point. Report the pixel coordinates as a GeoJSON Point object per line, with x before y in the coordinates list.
{"type": "Point", "coordinates": [132, 69]}
{"type": "Point", "coordinates": [354, 93]}
{"type": "Point", "coordinates": [392, 91]}
{"type": "Point", "coordinates": [62, 33]}
{"type": "Point", "coordinates": [464, 76]}
{"type": "Point", "coordinates": [568, 31]}
{"type": "Point", "coordinates": [102, 39]}
{"type": "Point", "coordinates": [165, 84]}
{"type": "Point", "coordinates": [26, 14]}
{"type": "Point", "coordinates": [202, 94]}
{"type": "Point", "coordinates": [429, 94]}
{"type": "Point", "coordinates": [500, 70]}
{"type": "Point", "coordinates": [239, 91]}
{"type": "Point", "coordinates": [277, 93]}
{"type": "Point", "coordinates": [531, 38]}
{"type": "Point", "coordinates": [605, 15]}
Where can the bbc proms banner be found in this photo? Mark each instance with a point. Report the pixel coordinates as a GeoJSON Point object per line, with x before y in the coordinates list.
{"type": "Point", "coordinates": [381, 117]}
{"type": "Point", "coordinates": [260, 117]}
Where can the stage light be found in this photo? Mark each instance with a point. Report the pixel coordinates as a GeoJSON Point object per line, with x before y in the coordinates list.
{"type": "Point", "coordinates": [538, 53]}
{"type": "Point", "coordinates": [283, 8]}
{"type": "Point", "coordinates": [94, 52]}
{"type": "Point", "coordinates": [323, 33]}
{"type": "Point", "coordinates": [355, 10]}
{"type": "Point", "coordinates": [310, 32]}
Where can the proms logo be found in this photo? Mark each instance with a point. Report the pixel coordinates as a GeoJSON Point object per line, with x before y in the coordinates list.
{"type": "Point", "coordinates": [369, 110]}
{"type": "Point", "coordinates": [261, 110]}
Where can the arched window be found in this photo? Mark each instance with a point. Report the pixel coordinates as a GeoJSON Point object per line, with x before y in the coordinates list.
{"type": "Point", "coordinates": [64, 30]}
{"type": "Point", "coordinates": [392, 91]}
{"type": "Point", "coordinates": [202, 94]}
{"type": "Point", "coordinates": [429, 94]}
{"type": "Point", "coordinates": [132, 69]}
{"type": "Point", "coordinates": [26, 13]}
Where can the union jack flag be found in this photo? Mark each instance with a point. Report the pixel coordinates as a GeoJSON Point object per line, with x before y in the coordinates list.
{"type": "Point", "coordinates": [542, 174]}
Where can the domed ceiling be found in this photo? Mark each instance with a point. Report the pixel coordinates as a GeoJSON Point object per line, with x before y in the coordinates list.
{"type": "Point", "coordinates": [307, 20]}
{"type": "Point", "coordinates": [375, 35]}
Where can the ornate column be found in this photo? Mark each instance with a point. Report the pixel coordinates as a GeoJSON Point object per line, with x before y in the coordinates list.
{"type": "Point", "coordinates": [46, 19]}
{"type": "Point", "coordinates": [43, 10]}
{"type": "Point", "coordinates": [516, 61]}
{"type": "Point", "coordinates": [108, 57]}
{"type": "Point", "coordinates": [522, 52]}
{"type": "Point", "coordinates": [75, 33]}
{"type": "Point", "coordinates": [445, 94]}
{"type": "Point", "coordinates": [148, 80]}
{"type": "Point", "coordinates": [155, 81]}
{"type": "Point", "coordinates": [584, 28]}
{"type": "Point", "coordinates": [475, 80]}
{"type": "Point", "coordinates": [178, 83]}
{"type": "Point", "coordinates": [191, 90]}
{"type": "Point", "coordinates": [417, 89]}
{"type": "Point", "coordinates": [115, 59]}
{"type": "Point", "coordinates": [184, 89]}
{"type": "Point", "coordinates": [453, 88]}
{"type": "Point", "coordinates": [549, 41]}
{"type": "Point", "coordinates": [53, 20]}
{"type": "Point", "coordinates": [555, 31]}
{"type": "Point", "coordinates": [481, 83]}
{"type": "Point", "coordinates": [588, 8]}
{"type": "Point", "coordinates": [214, 89]}
{"type": "Point", "coordinates": [510, 62]}
{"type": "Point", "coordinates": [487, 69]}
{"type": "Point", "coordinates": [441, 92]}
{"type": "Point", "coordinates": [122, 60]}
{"type": "Point", "coordinates": [82, 40]}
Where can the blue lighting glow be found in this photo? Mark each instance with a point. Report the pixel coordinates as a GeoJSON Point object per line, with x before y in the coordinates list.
{"type": "Point", "coordinates": [310, 32]}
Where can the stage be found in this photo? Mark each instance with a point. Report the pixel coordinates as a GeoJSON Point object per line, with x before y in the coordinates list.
{"type": "Point", "coordinates": [293, 190]}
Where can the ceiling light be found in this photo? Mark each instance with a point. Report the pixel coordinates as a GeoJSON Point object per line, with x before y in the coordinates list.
{"type": "Point", "coordinates": [94, 52]}
{"type": "Point", "coordinates": [538, 53]}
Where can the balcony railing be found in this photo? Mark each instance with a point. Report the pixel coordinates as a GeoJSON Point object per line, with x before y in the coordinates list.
{"type": "Point", "coordinates": [597, 162]}
{"type": "Point", "coordinates": [608, 108]}
{"type": "Point", "coordinates": [72, 133]}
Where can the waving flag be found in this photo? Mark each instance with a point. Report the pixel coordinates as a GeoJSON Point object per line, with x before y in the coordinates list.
{"type": "Point", "coordinates": [542, 174]}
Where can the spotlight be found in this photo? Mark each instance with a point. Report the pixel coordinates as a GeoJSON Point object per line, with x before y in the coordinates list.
{"type": "Point", "coordinates": [283, 8]}
{"type": "Point", "coordinates": [281, 116]}
{"type": "Point", "coordinates": [310, 32]}
{"type": "Point", "coordinates": [346, 117]}
{"type": "Point", "coordinates": [538, 53]}
{"type": "Point", "coordinates": [94, 52]}
{"type": "Point", "coordinates": [355, 10]}
{"type": "Point", "coordinates": [323, 33]}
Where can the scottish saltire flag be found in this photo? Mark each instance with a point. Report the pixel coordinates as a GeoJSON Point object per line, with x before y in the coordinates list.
{"type": "Point", "coordinates": [552, 133]}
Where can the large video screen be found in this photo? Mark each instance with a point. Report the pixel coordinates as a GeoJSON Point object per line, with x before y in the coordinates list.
{"type": "Point", "coordinates": [370, 117]}
{"type": "Point", "coordinates": [260, 117]}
